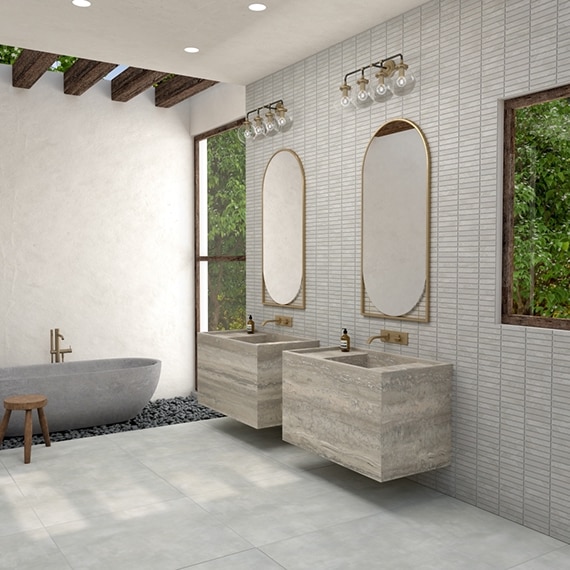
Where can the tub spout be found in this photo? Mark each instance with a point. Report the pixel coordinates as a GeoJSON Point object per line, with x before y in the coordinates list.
{"type": "Point", "coordinates": [57, 353]}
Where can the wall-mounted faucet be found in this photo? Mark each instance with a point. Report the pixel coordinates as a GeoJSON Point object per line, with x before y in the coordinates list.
{"type": "Point", "coordinates": [280, 321]}
{"type": "Point", "coordinates": [390, 336]}
{"type": "Point", "coordinates": [57, 353]}
{"type": "Point", "coordinates": [383, 336]}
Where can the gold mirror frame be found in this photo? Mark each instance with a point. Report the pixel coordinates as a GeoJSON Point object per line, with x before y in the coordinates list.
{"type": "Point", "coordinates": [392, 220]}
{"type": "Point", "coordinates": [283, 231]}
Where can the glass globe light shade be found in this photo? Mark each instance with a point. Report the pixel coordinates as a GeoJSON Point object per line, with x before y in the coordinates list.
{"type": "Point", "coordinates": [258, 128]}
{"type": "Point", "coordinates": [363, 98]}
{"type": "Point", "coordinates": [404, 80]}
{"type": "Point", "coordinates": [284, 121]}
{"type": "Point", "coordinates": [345, 102]}
{"type": "Point", "coordinates": [271, 126]}
{"type": "Point", "coordinates": [245, 132]}
{"type": "Point", "coordinates": [382, 90]}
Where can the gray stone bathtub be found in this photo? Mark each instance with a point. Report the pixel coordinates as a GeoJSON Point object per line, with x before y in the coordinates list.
{"type": "Point", "coordinates": [82, 394]}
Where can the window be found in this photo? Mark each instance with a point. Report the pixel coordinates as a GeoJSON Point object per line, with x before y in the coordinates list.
{"type": "Point", "coordinates": [536, 210]}
{"type": "Point", "coordinates": [219, 159]}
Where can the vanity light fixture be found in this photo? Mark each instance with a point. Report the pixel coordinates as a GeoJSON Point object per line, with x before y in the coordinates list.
{"type": "Point", "coordinates": [275, 120]}
{"type": "Point", "coordinates": [391, 78]}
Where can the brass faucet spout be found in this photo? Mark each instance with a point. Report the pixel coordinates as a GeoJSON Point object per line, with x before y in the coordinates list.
{"type": "Point", "coordinates": [269, 321]}
{"type": "Point", "coordinates": [382, 336]}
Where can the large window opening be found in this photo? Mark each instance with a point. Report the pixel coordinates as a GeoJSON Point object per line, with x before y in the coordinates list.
{"type": "Point", "coordinates": [536, 210]}
{"type": "Point", "coordinates": [219, 159]}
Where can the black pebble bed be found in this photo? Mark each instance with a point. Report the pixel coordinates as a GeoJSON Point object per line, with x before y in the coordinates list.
{"type": "Point", "coordinates": [161, 412]}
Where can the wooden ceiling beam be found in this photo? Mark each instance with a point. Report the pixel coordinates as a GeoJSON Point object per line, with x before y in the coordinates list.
{"type": "Point", "coordinates": [30, 66]}
{"type": "Point", "coordinates": [178, 88]}
{"type": "Point", "coordinates": [132, 82]}
{"type": "Point", "coordinates": [83, 74]}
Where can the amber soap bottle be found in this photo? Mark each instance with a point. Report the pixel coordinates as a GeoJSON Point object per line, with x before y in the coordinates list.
{"type": "Point", "coordinates": [344, 341]}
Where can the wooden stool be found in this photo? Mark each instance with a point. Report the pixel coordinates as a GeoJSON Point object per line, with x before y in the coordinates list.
{"type": "Point", "coordinates": [27, 402]}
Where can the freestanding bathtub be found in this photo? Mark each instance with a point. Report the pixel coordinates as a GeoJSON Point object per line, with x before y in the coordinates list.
{"type": "Point", "coordinates": [82, 394]}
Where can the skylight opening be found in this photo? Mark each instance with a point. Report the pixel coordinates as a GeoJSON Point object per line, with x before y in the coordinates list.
{"type": "Point", "coordinates": [114, 72]}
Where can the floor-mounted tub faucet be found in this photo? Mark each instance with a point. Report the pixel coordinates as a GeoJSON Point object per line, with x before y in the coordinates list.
{"type": "Point", "coordinates": [57, 353]}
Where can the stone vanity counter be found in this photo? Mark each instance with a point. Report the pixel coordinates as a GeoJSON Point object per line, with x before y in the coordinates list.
{"type": "Point", "coordinates": [239, 374]}
{"type": "Point", "coordinates": [383, 415]}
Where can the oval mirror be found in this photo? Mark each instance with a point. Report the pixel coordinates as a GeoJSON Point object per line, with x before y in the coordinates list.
{"type": "Point", "coordinates": [395, 223]}
{"type": "Point", "coordinates": [284, 230]}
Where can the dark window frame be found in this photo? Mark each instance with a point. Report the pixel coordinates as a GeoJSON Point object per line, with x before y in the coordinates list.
{"type": "Point", "coordinates": [510, 107]}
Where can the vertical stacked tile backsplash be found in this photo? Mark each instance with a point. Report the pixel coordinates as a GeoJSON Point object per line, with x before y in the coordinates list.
{"type": "Point", "coordinates": [511, 397]}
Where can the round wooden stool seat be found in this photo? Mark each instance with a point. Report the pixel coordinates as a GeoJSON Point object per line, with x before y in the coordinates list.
{"type": "Point", "coordinates": [26, 403]}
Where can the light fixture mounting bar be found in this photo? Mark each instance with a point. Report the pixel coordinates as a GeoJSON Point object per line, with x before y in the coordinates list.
{"type": "Point", "coordinates": [270, 106]}
{"type": "Point", "coordinates": [377, 64]}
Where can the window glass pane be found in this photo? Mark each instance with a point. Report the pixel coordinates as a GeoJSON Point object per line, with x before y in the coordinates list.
{"type": "Point", "coordinates": [226, 195]}
{"type": "Point", "coordinates": [541, 264]}
{"type": "Point", "coordinates": [226, 295]}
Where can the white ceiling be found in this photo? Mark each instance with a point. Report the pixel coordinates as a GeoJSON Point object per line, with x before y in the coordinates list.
{"type": "Point", "coordinates": [236, 45]}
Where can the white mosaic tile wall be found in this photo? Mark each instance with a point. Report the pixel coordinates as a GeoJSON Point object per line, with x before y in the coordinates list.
{"type": "Point", "coordinates": [512, 384]}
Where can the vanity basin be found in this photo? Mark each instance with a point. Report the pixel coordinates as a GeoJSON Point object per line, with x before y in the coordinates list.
{"type": "Point", "coordinates": [264, 338]}
{"type": "Point", "coordinates": [377, 360]}
{"type": "Point", "coordinates": [240, 374]}
{"type": "Point", "coordinates": [383, 415]}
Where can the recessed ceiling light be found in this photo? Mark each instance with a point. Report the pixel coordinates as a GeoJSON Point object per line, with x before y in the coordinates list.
{"type": "Point", "coordinates": [257, 7]}
{"type": "Point", "coordinates": [191, 50]}
{"type": "Point", "coordinates": [81, 3]}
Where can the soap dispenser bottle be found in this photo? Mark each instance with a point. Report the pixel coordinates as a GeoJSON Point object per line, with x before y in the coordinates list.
{"type": "Point", "coordinates": [344, 341]}
{"type": "Point", "coordinates": [250, 326]}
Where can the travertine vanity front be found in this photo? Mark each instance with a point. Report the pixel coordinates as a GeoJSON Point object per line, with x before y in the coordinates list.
{"type": "Point", "coordinates": [239, 374]}
{"type": "Point", "coordinates": [383, 415]}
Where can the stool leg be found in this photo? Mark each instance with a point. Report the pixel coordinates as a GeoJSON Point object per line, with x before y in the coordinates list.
{"type": "Point", "coordinates": [44, 424]}
{"type": "Point", "coordinates": [28, 437]}
{"type": "Point", "coordinates": [4, 424]}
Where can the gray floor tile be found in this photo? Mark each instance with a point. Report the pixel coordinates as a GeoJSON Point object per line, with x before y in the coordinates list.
{"type": "Point", "coordinates": [16, 511]}
{"type": "Point", "coordinates": [166, 535]}
{"type": "Point", "coordinates": [557, 560]}
{"type": "Point", "coordinates": [205, 494]}
{"type": "Point", "coordinates": [31, 550]}
{"type": "Point", "coordinates": [250, 560]}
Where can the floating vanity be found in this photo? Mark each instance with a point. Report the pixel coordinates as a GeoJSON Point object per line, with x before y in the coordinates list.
{"type": "Point", "coordinates": [239, 374]}
{"type": "Point", "coordinates": [383, 415]}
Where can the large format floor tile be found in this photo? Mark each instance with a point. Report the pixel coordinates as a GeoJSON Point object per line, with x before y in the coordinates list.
{"type": "Point", "coordinates": [217, 494]}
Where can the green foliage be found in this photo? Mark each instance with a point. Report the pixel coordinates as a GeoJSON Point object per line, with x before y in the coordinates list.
{"type": "Point", "coordinates": [63, 63]}
{"type": "Point", "coordinates": [226, 194]}
{"type": "Point", "coordinates": [541, 280]}
{"type": "Point", "coordinates": [226, 230]}
{"type": "Point", "coordinates": [226, 295]}
{"type": "Point", "coordinates": [9, 54]}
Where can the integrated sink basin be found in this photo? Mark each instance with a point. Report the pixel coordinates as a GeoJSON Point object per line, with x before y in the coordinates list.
{"type": "Point", "coordinates": [383, 415]}
{"type": "Point", "coordinates": [377, 360]}
{"type": "Point", "coordinates": [239, 374]}
{"type": "Point", "coordinates": [262, 338]}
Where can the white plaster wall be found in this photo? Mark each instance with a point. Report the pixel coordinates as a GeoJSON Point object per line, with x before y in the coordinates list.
{"type": "Point", "coordinates": [221, 104]}
{"type": "Point", "coordinates": [96, 228]}
{"type": "Point", "coordinates": [511, 392]}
